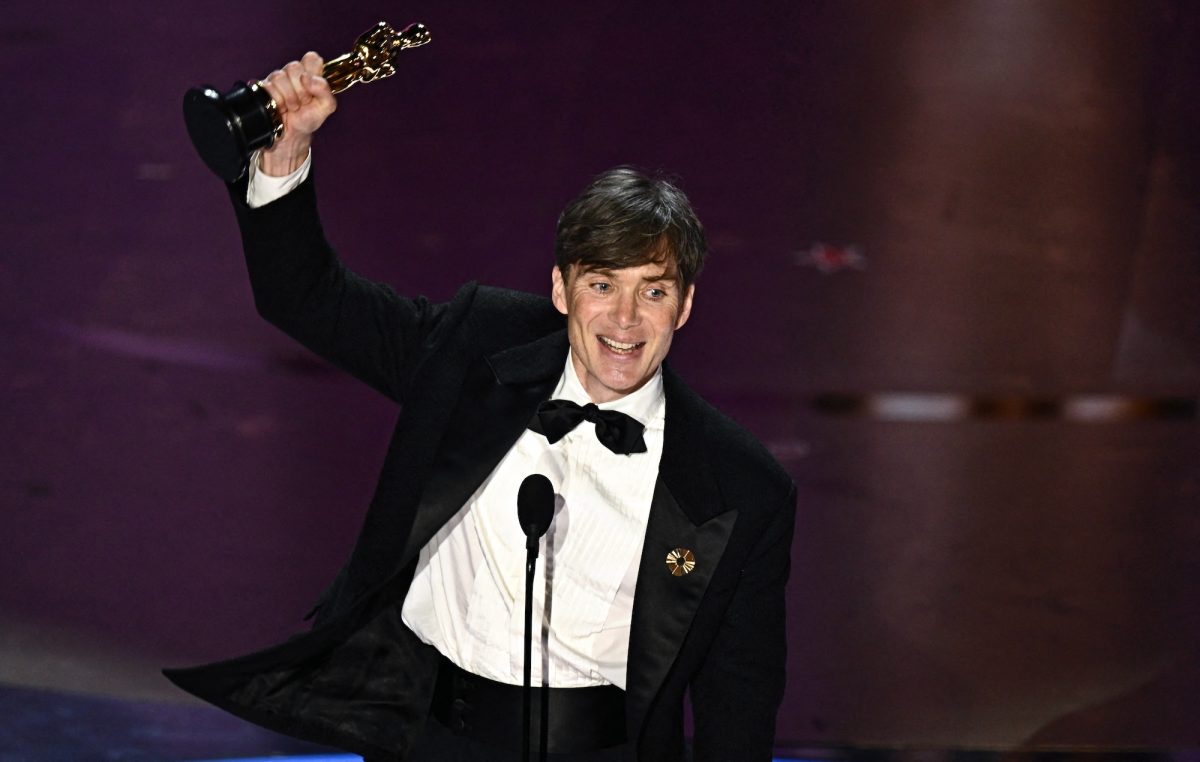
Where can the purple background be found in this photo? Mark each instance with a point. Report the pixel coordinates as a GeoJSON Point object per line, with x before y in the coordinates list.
{"type": "Point", "coordinates": [179, 481]}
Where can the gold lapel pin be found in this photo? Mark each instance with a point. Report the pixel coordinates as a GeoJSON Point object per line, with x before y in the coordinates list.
{"type": "Point", "coordinates": [680, 561]}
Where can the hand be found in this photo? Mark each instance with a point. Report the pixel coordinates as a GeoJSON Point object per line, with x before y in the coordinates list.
{"type": "Point", "coordinates": [303, 101]}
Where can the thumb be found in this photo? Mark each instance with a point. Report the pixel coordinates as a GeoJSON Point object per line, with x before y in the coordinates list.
{"type": "Point", "coordinates": [318, 88]}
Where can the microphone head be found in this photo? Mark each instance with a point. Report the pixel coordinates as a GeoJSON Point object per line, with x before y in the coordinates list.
{"type": "Point", "coordinates": [535, 505]}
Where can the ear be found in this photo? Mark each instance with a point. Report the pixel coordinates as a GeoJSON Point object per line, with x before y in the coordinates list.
{"type": "Point", "coordinates": [685, 310]}
{"type": "Point", "coordinates": [558, 290]}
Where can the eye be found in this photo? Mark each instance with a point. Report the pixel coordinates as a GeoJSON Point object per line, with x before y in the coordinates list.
{"type": "Point", "coordinates": [601, 286]}
{"type": "Point", "coordinates": [657, 293]}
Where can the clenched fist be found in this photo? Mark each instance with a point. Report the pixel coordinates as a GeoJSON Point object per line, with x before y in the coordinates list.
{"type": "Point", "coordinates": [303, 101]}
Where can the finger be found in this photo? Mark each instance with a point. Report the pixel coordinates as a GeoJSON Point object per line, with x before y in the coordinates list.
{"type": "Point", "coordinates": [319, 89]}
{"type": "Point", "coordinates": [312, 63]}
{"type": "Point", "coordinates": [314, 83]}
{"type": "Point", "coordinates": [295, 93]}
{"type": "Point", "coordinates": [270, 83]}
{"type": "Point", "coordinates": [282, 90]}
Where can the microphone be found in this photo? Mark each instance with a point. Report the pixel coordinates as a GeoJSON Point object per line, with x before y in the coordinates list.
{"type": "Point", "coordinates": [535, 509]}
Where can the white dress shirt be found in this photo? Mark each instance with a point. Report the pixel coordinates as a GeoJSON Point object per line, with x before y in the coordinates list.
{"type": "Point", "coordinates": [262, 189]}
{"type": "Point", "coordinates": [467, 597]}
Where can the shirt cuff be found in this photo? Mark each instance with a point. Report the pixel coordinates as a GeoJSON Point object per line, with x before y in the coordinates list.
{"type": "Point", "coordinates": [262, 188]}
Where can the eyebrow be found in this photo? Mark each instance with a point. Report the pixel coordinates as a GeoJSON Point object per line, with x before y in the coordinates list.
{"type": "Point", "coordinates": [608, 271]}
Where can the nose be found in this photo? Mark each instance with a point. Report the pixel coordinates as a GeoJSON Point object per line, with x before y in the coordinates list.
{"type": "Point", "coordinates": [625, 310]}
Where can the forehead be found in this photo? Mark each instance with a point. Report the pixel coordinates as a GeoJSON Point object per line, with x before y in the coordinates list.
{"type": "Point", "coordinates": [649, 272]}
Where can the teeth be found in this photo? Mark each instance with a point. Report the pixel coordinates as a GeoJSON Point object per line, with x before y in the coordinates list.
{"type": "Point", "coordinates": [618, 345]}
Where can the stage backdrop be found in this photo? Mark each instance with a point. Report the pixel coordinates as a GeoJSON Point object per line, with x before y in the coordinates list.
{"type": "Point", "coordinates": [953, 287]}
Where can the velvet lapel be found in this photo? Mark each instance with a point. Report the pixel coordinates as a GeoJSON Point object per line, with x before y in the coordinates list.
{"type": "Point", "coordinates": [687, 513]}
{"type": "Point", "coordinates": [499, 396]}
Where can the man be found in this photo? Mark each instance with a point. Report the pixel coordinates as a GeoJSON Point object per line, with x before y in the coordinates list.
{"type": "Point", "coordinates": [670, 545]}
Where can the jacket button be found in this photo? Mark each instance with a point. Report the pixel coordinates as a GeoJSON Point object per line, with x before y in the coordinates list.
{"type": "Point", "coordinates": [459, 709]}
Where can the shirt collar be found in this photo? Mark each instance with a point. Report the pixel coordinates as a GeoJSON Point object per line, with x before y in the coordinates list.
{"type": "Point", "coordinates": [646, 404]}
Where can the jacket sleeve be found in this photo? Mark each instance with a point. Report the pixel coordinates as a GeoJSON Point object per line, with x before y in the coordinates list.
{"type": "Point", "coordinates": [301, 286]}
{"type": "Point", "coordinates": [737, 692]}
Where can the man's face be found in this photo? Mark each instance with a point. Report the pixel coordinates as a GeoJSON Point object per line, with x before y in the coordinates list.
{"type": "Point", "coordinates": [620, 323]}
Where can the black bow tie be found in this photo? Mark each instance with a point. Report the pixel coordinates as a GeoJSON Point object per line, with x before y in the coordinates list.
{"type": "Point", "coordinates": [618, 432]}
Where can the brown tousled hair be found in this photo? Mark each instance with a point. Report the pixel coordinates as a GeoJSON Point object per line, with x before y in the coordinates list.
{"type": "Point", "coordinates": [625, 218]}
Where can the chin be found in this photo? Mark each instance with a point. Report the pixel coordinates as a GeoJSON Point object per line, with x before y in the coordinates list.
{"type": "Point", "coordinates": [624, 385]}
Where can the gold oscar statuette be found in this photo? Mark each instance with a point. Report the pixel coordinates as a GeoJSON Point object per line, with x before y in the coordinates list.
{"type": "Point", "coordinates": [227, 129]}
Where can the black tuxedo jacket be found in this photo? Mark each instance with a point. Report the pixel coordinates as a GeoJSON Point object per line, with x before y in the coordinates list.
{"type": "Point", "coordinates": [469, 374]}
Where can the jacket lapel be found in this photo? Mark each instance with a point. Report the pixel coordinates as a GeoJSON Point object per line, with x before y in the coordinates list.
{"type": "Point", "coordinates": [499, 397]}
{"type": "Point", "coordinates": [687, 514]}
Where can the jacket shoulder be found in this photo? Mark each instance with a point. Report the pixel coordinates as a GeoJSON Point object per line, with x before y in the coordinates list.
{"type": "Point", "coordinates": [741, 464]}
{"type": "Point", "coordinates": [741, 453]}
{"type": "Point", "coordinates": [500, 317]}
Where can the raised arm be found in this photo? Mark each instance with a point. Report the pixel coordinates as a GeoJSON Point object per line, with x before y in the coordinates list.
{"type": "Point", "coordinates": [299, 283]}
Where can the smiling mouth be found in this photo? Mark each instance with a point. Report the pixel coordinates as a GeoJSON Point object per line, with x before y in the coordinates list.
{"type": "Point", "coordinates": [620, 347]}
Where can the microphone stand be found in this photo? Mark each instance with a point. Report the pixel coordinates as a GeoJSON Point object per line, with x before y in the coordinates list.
{"type": "Point", "coordinates": [535, 511]}
{"type": "Point", "coordinates": [531, 554]}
